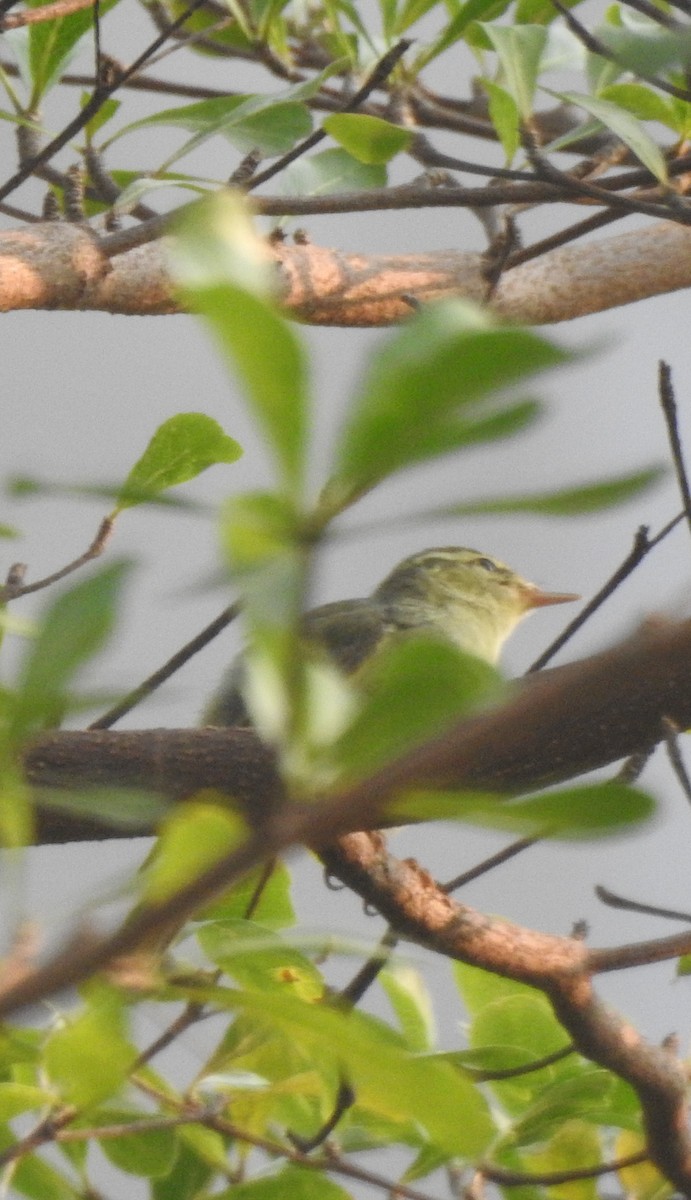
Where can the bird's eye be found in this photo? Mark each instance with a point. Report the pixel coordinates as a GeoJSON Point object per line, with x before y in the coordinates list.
{"type": "Point", "coordinates": [486, 564]}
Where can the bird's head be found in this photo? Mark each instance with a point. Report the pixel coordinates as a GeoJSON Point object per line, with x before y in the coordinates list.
{"type": "Point", "coordinates": [475, 600]}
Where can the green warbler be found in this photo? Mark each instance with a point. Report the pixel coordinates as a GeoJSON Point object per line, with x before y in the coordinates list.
{"type": "Point", "coordinates": [463, 595]}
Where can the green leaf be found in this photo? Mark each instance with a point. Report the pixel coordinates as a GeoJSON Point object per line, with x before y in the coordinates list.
{"type": "Point", "coordinates": [429, 387]}
{"type": "Point", "coordinates": [573, 1146]}
{"type": "Point", "coordinates": [331, 171]}
{"type": "Point", "coordinates": [392, 719]}
{"type": "Point", "coordinates": [190, 1172]}
{"type": "Point", "coordinates": [640, 1181]}
{"type": "Point", "coordinates": [298, 1183]}
{"type": "Point", "coordinates": [592, 497]}
{"type": "Point", "coordinates": [505, 117]}
{"type": "Point", "coordinates": [266, 900]}
{"type": "Point", "coordinates": [218, 258]}
{"type": "Point", "coordinates": [101, 117]}
{"type": "Point", "coordinates": [128, 808]}
{"type": "Point", "coordinates": [645, 48]}
{"type": "Point", "coordinates": [468, 13]}
{"type": "Point", "coordinates": [412, 1005]}
{"type": "Point", "coordinates": [643, 102]}
{"type": "Point", "coordinates": [385, 1076]}
{"type": "Point", "coordinates": [626, 127]}
{"type": "Point", "coordinates": [73, 630]}
{"type": "Point", "coordinates": [369, 139]}
{"type": "Point", "coordinates": [580, 812]}
{"type": "Point", "coordinates": [53, 43]}
{"type": "Point", "coordinates": [25, 486]}
{"type": "Point", "coordinates": [519, 48]}
{"type": "Point", "coordinates": [257, 958]}
{"type": "Point", "coordinates": [16, 1098]}
{"type": "Point", "coordinates": [248, 122]}
{"type": "Point", "coordinates": [36, 1179]}
{"type": "Point", "coordinates": [192, 838]}
{"type": "Point", "coordinates": [143, 1152]}
{"type": "Point", "coordinates": [180, 449]}
{"type": "Point", "coordinates": [89, 1056]}
{"type": "Point", "coordinates": [585, 1095]}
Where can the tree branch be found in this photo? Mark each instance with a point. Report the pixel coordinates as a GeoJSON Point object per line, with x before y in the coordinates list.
{"type": "Point", "coordinates": [555, 725]}
{"type": "Point", "coordinates": [54, 265]}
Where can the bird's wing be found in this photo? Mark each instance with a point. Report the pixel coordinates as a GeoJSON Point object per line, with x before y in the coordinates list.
{"type": "Point", "coordinates": [349, 631]}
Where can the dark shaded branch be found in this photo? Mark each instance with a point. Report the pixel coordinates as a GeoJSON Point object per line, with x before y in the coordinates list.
{"type": "Point", "coordinates": [554, 726]}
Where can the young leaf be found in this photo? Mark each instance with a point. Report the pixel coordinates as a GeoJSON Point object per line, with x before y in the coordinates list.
{"type": "Point", "coordinates": [295, 1182]}
{"type": "Point", "coordinates": [592, 497]}
{"type": "Point", "coordinates": [369, 139]}
{"type": "Point", "coordinates": [89, 1056]}
{"type": "Point", "coordinates": [223, 267]}
{"type": "Point", "coordinates": [412, 1005]}
{"type": "Point", "coordinates": [144, 1152]}
{"type": "Point", "coordinates": [192, 838]}
{"type": "Point", "coordinates": [180, 449]}
{"type": "Point", "coordinates": [505, 117]}
{"type": "Point", "coordinates": [626, 127]}
{"type": "Point", "coordinates": [428, 387]}
{"type": "Point", "coordinates": [385, 1076]}
{"type": "Point", "coordinates": [16, 1098]}
{"type": "Point", "coordinates": [267, 899]}
{"type": "Point", "coordinates": [74, 628]}
{"type": "Point", "coordinates": [519, 48]}
{"type": "Point", "coordinates": [331, 171]}
{"type": "Point", "coordinates": [259, 959]}
{"type": "Point", "coordinates": [643, 102]}
{"type": "Point", "coordinates": [52, 45]}
{"type": "Point", "coordinates": [248, 122]}
{"type": "Point", "coordinates": [392, 719]}
{"type": "Point", "coordinates": [580, 812]}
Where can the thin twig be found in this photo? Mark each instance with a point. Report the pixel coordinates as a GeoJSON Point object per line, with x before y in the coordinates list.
{"type": "Point", "coordinates": [669, 408]}
{"type": "Point", "coordinates": [100, 94]}
{"type": "Point", "coordinates": [174, 663]}
{"type": "Point", "coordinates": [536, 1064]}
{"type": "Point", "coordinates": [353, 992]}
{"type": "Point", "coordinates": [671, 731]}
{"type": "Point", "coordinates": [553, 1178]}
{"type": "Point", "coordinates": [13, 591]}
{"type": "Point", "coordinates": [642, 546]}
{"type": "Point", "coordinates": [612, 900]}
{"type": "Point", "coordinates": [381, 72]}
{"type": "Point", "coordinates": [488, 864]}
{"type": "Point", "coordinates": [571, 234]}
{"type": "Point", "coordinates": [595, 46]}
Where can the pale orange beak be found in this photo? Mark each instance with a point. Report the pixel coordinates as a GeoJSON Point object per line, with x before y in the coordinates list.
{"type": "Point", "coordinates": [536, 598]}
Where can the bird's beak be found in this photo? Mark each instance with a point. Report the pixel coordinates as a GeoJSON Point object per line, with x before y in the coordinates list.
{"type": "Point", "coordinates": [536, 598]}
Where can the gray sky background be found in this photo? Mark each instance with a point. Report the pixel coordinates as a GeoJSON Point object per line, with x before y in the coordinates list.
{"type": "Point", "coordinates": [83, 394]}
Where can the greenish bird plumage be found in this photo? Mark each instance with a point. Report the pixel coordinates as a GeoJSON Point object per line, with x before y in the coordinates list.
{"type": "Point", "coordinates": [468, 597]}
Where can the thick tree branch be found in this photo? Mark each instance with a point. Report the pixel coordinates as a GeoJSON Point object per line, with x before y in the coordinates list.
{"type": "Point", "coordinates": [555, 725]}
{"type": "Point", "coordinates": [59, 265]}
{"type": "Point", "coordinates": [416, 907]}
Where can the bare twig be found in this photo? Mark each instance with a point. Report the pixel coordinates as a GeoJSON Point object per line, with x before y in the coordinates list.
{"type": "Point", "coordinates": [488, 864]}
{"type": "Point", "coordinates": [508, 1178]}
{"type": "Point", "coordinates": [12, 591]}
{"type": "Point", "coordinates": [671, 732]}
{"type": "Point", "coordinates": [174, 663]}
{"type": "Point", "coordinates": [612, 900]}
{"type": "Point", "coordinates": [669, 408]}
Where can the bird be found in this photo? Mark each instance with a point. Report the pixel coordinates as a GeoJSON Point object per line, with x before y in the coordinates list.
{"type": "Point", "coordinates": [461, 595]}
